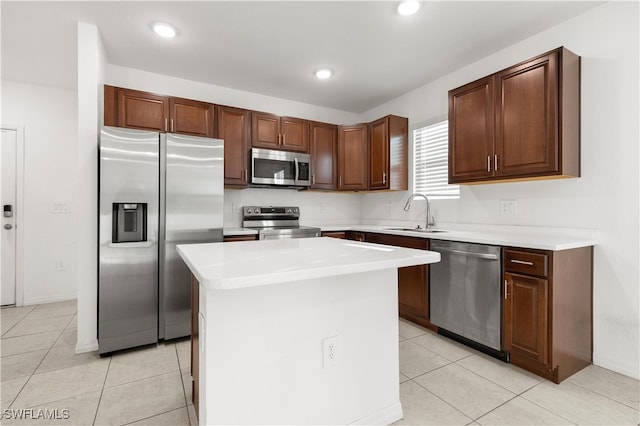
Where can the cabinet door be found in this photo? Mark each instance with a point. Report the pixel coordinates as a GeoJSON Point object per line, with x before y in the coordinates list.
{"type": "Point", "coordinates": [379, 154]}
{"type": "Point", "coordinates": [324, 155]}
{"type": "Point", "coordinates": [413, 281]}
{"type": "Point", "coordinates": [191, 117]}
{"type": "Point", "coordinates": [265, 130]}
{"type": "Point", "coordinates": [294, 134]}
{"type": "Point", "coordinates": [353, 157]}
{"type": "Point", "coordinates": [142, 110]}
{"type": "Point", "coordinates": [413, 290]}
{"type": "Point", "coordinates": [234, 129]}
{"type": "Point", "coordinates": [471, 131]}
{"type": "Point", "coordinates": [526, 118]}
{"type": "Point", "coordinates": [526, 317]}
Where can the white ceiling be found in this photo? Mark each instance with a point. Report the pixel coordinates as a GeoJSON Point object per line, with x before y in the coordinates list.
{"type": "Point", "coordinates": [272, 48]}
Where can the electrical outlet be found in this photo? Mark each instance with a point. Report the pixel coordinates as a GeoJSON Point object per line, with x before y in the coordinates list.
{"type": "Point", "coordinates": [60, 266]}
{"type": "Point", "coordinates": [508, 207]}
{"type": "Point", "coordinates": [329, 351]}
{"type": "Point", "coordinates": [235, 208]}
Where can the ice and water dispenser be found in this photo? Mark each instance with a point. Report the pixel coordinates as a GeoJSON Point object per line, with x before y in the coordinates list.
{"type": "Point", "coordinates": [129, 222]}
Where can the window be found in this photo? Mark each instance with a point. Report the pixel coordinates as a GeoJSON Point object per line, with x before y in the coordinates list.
{"type": "Point", "coordinates": [431, 160]}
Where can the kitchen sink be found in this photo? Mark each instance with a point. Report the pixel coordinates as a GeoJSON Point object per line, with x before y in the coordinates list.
{"type": "Point", "coordinates": [426, 231]}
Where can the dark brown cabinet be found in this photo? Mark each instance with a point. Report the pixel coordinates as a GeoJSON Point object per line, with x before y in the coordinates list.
{"type": "Point", "coordinates": [388, 153]}
{"type": "Point", "coordinates": [274, 132]}
{"type": "Point", "coordinates": [147, 111]}
{"type": "Point", "coordinates": [232, 238]}
{"type": "Point", "coordinates": [324, 153]}
{"type": "Point", "coordinates": [234, 127]}
{"type": "Point", "coordinates": [334, 234]}
{"type": "Point", "coordinates": [353, 158]}
{"type": "Point", "coordinates": [547, 308]}
{"type": "Point", "coordinates": [520, 123]}
{"type": "Point", "coordinates": [413, 281]}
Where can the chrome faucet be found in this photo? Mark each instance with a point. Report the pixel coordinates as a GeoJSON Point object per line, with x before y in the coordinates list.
{"type": "Point", "coordinates": [407, 206]}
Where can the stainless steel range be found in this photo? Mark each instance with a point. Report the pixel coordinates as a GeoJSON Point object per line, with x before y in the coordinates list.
{"type": "Point", "coordinates": [276, 223]}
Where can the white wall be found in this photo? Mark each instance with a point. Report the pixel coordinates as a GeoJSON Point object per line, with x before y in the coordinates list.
{"type": "Point", "coordinates": [91, 70]}
{"type": "Point", "coordinates": [50, 137]}
{"type": "Point", "coordinates": [604, 198]}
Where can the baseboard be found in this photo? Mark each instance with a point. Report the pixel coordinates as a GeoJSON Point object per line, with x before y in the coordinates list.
{"type": "Point", "coordinates": [386, 416]}
{"type": "Point", "coordinates": [90, 346]}
{"type": "Point", "coordinates": [618, 368]}
{"type": "Point", "coordinates": [42, 300]}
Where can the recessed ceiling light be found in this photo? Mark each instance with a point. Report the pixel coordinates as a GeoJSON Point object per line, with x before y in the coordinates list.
{"type": "Point", "coordinates": [324, 73]}
{"type": "Point", "coordinates": [408, 7]}
{"type": "Point", "coordinates": [164, 30]}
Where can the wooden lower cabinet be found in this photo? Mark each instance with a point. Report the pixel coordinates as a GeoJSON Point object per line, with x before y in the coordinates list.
{"type": "Point", "coordinates": [547, 307]}
{"type": "Point", "coordinates": [413, 281]}
{"type": "Point", "coordinates": [334, 234]}
{"type": "Point", "coordinates": [195, 343]}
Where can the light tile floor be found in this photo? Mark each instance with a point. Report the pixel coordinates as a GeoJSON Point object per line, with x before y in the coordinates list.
{"type": "Point", "coordinates": [441, 381]}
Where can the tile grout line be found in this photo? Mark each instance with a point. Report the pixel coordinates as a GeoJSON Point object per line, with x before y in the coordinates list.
{"type": "Point", "coordinates": [441, 399]}
{"type": "Point", "coordinates": [104, 382]}
{"type": "Point", "coordinates": [41, 361]}
{"type": "Point", "coordinates": [603, 395]}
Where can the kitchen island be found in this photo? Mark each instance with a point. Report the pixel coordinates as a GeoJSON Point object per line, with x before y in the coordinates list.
{"type": "Point", "coordinates": [301, 331]}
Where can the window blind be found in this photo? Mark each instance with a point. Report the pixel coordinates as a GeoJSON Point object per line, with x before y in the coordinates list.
{"type": "Point", "coordinates": [431, 161]}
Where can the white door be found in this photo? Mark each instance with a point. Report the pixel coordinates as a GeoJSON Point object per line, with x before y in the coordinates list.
{"type": "Point", "coordinates": [8, 206]}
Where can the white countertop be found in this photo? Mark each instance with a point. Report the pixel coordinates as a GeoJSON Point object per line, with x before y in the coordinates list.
{"type": "Point", "coordinates": [525, 238]}
{"type": "Point", "coordinates": [242, 264]}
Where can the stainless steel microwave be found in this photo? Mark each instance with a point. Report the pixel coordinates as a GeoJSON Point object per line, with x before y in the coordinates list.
{"type": "Point", "coordinates": [283, 168]}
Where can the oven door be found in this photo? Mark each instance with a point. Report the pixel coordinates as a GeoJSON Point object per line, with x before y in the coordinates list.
{"type": "Point", "coordinates": [286, 233]}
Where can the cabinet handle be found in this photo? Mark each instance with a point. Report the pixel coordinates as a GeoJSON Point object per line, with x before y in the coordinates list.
{"type": "Point", "coordinates": [246, 175]}
{"type": "Point", "coordinates": [384, 177]}
{"type": "Point", "coordinates": [172, 126]}
{"type": "Point", "coordinates": [340, 182]}
{"type": "Point", "coordinates": [522, 262]}
{"type": "Point", "coordinates": [313, 178]}
{"type": "Point", "coordinates": [506, 288]}
{"type": "Point", "coordinates": [166, 124]}
{"type": "Point", "coordinates": [284, 141]}
{"type": "Point", "coordinates": [495, 162]}
{"type": "Point", "coordinates": [488, 163]}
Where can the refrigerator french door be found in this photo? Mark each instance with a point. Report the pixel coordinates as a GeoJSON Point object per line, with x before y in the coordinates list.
{"type": "Point", "coordinates": [156, 190]}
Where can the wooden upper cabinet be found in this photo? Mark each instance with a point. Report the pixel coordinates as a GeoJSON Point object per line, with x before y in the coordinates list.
{"type": "Point", "coordinates": [234, 127]}
{"type": "Point", "coordinates": [135, 109]}
{"type": "Point", "coordinates": [520, 123]}
{"type": "Point", "coordinates": [471, 131]}
{"type": "Point", "coordinates": [274, 132]}
{"type": "Point", "coordinates": [323, 143]}
{"type": "Point", "coordinates": [191, 117]}
{"type": "Point", "coordinates": [527, 118]}
{"type": "Point", "coordinates": [353, 158]}
{"type": "Point", "coordinates": [141, 110]}
{"type": "Point", "coordinates": [388, 153]}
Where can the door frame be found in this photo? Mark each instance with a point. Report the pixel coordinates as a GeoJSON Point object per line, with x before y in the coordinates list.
{"type": "Point", "coordinates": [19, 214]}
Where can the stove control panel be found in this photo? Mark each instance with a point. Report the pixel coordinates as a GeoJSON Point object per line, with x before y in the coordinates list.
{"type": "Point", "coordinates": [270, 211]}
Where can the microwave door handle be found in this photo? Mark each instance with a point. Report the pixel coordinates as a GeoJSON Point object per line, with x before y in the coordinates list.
{"type": "Point", "coordinates": [297, 176]}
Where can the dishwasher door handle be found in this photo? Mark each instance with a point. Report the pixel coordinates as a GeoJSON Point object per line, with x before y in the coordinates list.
{"type": "Point", "coordinates": [468, 253]}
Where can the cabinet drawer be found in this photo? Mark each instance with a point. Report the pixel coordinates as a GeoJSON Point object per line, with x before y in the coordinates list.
{"type": "Point", "coordinates": [526, 262]}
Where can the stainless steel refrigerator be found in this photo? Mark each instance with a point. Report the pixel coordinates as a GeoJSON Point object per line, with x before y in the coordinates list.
{"type": "Point", "coordinates": [156, 190]}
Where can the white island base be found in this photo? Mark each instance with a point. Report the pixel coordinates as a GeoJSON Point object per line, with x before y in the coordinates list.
{"type": "Point", "coordinates": [264, 354]}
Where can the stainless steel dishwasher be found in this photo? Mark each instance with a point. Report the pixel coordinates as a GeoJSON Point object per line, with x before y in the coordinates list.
{"type": "Point", "coordinates": [465, 294]}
